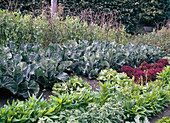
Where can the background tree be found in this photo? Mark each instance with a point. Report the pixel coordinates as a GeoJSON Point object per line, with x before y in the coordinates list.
{"type": "Point", "coordinates": [53, 7]}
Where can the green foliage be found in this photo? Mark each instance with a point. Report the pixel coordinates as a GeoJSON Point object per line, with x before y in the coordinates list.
{"type": "Point", "coordinates": [15, 27]}
{"type": "Point", "coordinates": [27, 6]}
{"type": "Point", "coordinates": [163, 120]}
{"type": "Point", "coordinates": [164, 76]}
{"type": "Point", "coordinates": [106, 91]}
{"type": "Point", "coordinates": [16, 76]}
{"type": "Point", "coordinates": [118, 100]}
{"type": "Point", "coordinates": [109, 112]}
{"type": "Point", "coordinates": [75, 107]}
{"type": "Point", "coordinates": [26, 28]}
{"type": "Point", "coordinates": [129, 12]}
{"type": "Point", "coordinates": [159, 38]}
{"type": "Point", "coordinates": [20, 111]}
{"type": "Point", "coordinates": [143, 100]}
{"type": "Point", "coordinates": [101, 54]}
{"type": "Point", "coordinates": [22, 69]}
{"type": "Point", "coordinates": [31, 64]}
{"type": "Point", "coordinates": [79, 30]}
{"type": "Point", "coordinates": [72, 85]}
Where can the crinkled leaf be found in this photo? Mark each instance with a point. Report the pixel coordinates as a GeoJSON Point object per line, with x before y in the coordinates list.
{"type": "Point", "coordinates": [63, 65]}
{"type": "Point", "coordinates": [27, 88]}
{"type": "Point", "coordinates": [18, 78]}
{"type": "Point", "coordinates": [9, 84]}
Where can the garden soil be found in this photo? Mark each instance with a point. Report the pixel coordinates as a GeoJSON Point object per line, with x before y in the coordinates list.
{"type": "Point", "coordinates": [7, 96]}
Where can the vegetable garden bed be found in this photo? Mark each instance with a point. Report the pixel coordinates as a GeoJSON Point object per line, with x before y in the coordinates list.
{"type": "Point", "coordinates": [94, 83]}
{"type": "Point", "coordinates": [27, 70]}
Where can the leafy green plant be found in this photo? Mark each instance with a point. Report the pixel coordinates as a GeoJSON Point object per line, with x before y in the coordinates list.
{"type": "Point", "coordinates": [101, 54]}
{"type": "Point", "coordinates": [118, 100]}
{"type": "Point", "coordinates": [164, 76]}
{"type": "Point", "coordinates": [159, 38]}
{"type": "Point", "coordinates": [20, 111]}
{"type": "Point", "coordinates": [50, 71]}
{"type": "Point", "coordinates": [143, 100]}
{"type": "Point", "coordinates": [27, 29]}
{"type": "Point", "coordinates": [22, 69]}
{"type": "Point", "coordinates": [16, 76]}
{"type": "Point", "coordinates": [72, 85]}
{"type": "Point", "coordinates": [106, 91]}
{"type": "Point", "coordinates": [78, 106]}
{"type": "Point", "coordinates": [163, 120]}
{"type": "Point", "coordinates": [32, 64]}
{"type": "Point", "coordinates": [109, 112]}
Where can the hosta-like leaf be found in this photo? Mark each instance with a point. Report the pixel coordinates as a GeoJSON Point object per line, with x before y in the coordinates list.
{"type": "Point", "coordinates": [62, 77]}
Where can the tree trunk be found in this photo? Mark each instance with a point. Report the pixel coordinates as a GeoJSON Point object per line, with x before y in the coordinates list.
{"type": "Point", "coordinates": [53, 7]}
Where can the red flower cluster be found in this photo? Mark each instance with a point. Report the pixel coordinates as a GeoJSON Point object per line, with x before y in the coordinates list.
{"type": "Point", "coordinates": [145, 72]}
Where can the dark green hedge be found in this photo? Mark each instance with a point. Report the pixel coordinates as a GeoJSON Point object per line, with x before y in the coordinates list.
{"type": "Point", "coordinates": [25, 6]}
{"type": "Point", "coordinates": [129, 12]}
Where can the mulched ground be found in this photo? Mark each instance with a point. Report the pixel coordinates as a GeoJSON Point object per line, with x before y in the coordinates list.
{"type": "Point", "coordinates": [6, 95]}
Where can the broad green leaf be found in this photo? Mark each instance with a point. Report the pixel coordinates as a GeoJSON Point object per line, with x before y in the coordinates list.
{"type": "Point", "coordinates": [9, 84]}
{"type": "Point", "coordinates": [62, 77]}
{"type": "Point", "coordinates": [18, 78]}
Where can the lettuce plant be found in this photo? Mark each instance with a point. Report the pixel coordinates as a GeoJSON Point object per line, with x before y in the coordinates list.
{"type": "Point", "coordinates": [164, 62]}
{"type": "Point", "coordinates": [138, 100]}
{"type": "Point", "coordinates": [145, 72]}
{"type": "Point", "coordinates": [72, 85]}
